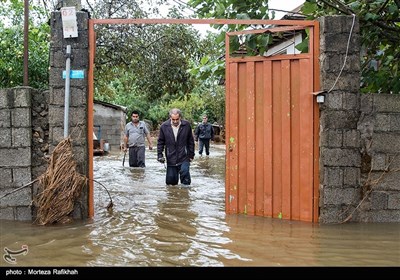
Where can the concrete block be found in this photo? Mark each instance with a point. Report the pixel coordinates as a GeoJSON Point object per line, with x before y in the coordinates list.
{"type": "Point", "coordinates": [351, 176]}
{"type": "Point", "coordinates": [5, 138]}
{"type": "Point", "coordinates": [21, 176]}
{"type": "Point", "coordinates": [21, 137]}
{"type": "Point", "coordinates": [379, 200]}
{"type": "Point", "coordinates": [394, 201]}
{"type": "Point", "coordinates": [385, 142]}
{"type": "Point", "coordinates": [4, 99]}
{"type": "Point", "coordinates": [7, 213]}
{"type": "Point", "coordinates": [386, 103]}
{"type": "Point", "coordinates": [55, 77]}
{"type": "Point", "coordinates": [21, 117]}
{"type": "Point", "coordinates": [77, 116]}
{"type": "Point", "coordinates": [334, 101]}
{"type": "Point", "coordinates": [333, 176]}
{"type": "Point", "coordinates": [341, 157]}
{"type": "Point", "coordinates": [379, 162]}
{"type": "Point", "coordinates": [6, 177]}
{"type": "Point", "coordinates": [366, 103]}
{"type": "Point", "coordinates": [382, 122]}
{"type": "Point", "coordinates": [340, 196]}
{"type": "Point", "coordinates": [22, 97]}
{"type": "Point", "coordinates": [21, 197]}
{"type": "Point", "coordinates": [16, 157]}
{"type": "Point", "coordinates": [395, 122]}
{"type": "Point", "coordinates": [23, 213]}
{"type": "Point", "coordinates": [56, 116]}
{"type": "Point", "coordinates": [351, 138]}
{"type": "Point", "coordinates": [384, 216]}
{"type": "Point", "coordinates": [351, 101]}
{"type": "Point", "coordinates": [339, 119]}
{"type": "Point", "coordinates": [5, 118]}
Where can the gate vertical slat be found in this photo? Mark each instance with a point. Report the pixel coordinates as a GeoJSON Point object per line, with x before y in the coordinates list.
{"type": "Point", "coordinates": [276, 138]}
{"type": "Point", "coordinates": [249, 120]}
{"type": "Point", "coordinates": [232, 133]}
{"type": "Point", "coordinates": [241, 118]}
{"type": "Point", "coordinates": [286, 140]}
{"type": "Point", "coordinates": [267, 132]}
{"type": "Point", "coordinates": [306, 150]}
{"type": "Point", "coordinates": [295, 82]}
{"type": "Point", "coordinates": [260, 147]}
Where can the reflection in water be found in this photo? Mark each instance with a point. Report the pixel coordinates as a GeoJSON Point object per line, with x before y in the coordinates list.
{"type": "Point", "coordinates": [155, 225]}
{"type": "Point", "coordinates": [138, 173]}
{"type": "Point", "coordinates": [209, 166]}
{"type": "Point", "coordinates": [175, 226]}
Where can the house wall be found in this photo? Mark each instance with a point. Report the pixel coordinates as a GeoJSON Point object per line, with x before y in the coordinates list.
{"type": "Point", "coordinates": [109, 124]}
{"type": "Point", "coordinates": [287, 47]}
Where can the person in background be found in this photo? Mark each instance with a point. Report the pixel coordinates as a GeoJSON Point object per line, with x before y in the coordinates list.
{"type": "Point", "coordinates": [176, 141]}
{"type": "Point", "coordinates": [135, 132]}
{"type": "Point", "coordinates": [204, 133]}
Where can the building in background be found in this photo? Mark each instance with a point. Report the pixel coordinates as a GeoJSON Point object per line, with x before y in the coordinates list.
{"type": "Point", "coordinates": [108, 125]}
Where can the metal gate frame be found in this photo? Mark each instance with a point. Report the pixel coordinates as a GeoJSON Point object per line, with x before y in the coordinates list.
{"type": "Point", "coordinates": [92, 49]}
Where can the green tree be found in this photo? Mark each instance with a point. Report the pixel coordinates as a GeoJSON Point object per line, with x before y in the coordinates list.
{"type": "Point", "coordinates": [151, 68]}
{"type": "Point", "coordinates": [12, 46]}
{"type": "Point", "coordinates": [379, 28]}
{"type": "Point", "coordinates": [380, 37]}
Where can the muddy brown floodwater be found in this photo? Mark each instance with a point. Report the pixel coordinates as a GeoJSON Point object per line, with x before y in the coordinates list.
{"type": "Point", "coordinates": [152, 224]}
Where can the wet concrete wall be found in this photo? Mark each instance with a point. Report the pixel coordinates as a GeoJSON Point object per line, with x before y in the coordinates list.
{"type": "Point", "coordinates": [78, 115]}
{"type": "Point", "coordinates": [32, 125]}
{"type": "Point", "coordinates": [15, 153]}
{"type": "Point", "coordinates": [357, 143]}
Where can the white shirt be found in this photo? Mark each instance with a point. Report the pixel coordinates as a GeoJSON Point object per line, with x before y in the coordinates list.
{"type": "Point", "coordinates": [175, 129]}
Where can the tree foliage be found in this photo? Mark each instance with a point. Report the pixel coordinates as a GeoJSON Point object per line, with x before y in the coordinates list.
{"type": "Point", "coordinates": [12, 46]}
{"type": "Point", "coordinates": [379, 30]}
{"type": "Point", "coordinates": [151, 68]}
{"type": "Point", "coordinates": [149, 63]}
{"type": "Point", "coordinates": [380, 35]}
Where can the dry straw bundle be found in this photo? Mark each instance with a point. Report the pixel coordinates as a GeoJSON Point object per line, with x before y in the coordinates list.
{"type": "Point", "coordinates": [61, 186]}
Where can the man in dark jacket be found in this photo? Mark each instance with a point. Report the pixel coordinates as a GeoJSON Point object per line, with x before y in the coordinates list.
{"type": "Point", "coordinates": [176, 140]}
{"type": "Point", "coordinates": [204, 133]}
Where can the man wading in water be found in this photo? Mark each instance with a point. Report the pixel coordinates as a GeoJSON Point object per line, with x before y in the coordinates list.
{"type": "Point", "coordinates": [135, 132]}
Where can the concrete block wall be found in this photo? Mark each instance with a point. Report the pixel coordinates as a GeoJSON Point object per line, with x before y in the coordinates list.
{"type": "Point", "coordinates": [340, 158]}
{"type": "Point", "coordinates": [15, 153]}
{"type": "Point", "coordinates": [78, 115]}
{"type": "Point", "coordinates": [109, 122]}
{"type": "Point", "coordinates": [379, 127]}
{"type": "Point", "coordinates": [359, 135]}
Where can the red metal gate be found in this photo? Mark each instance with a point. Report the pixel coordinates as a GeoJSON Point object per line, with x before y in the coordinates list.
{"type": "Point", "coordinates": [271, 144]}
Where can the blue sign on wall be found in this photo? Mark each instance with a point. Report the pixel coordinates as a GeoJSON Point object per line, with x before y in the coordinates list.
{"type": "Point", "coordinates": [74, 74]}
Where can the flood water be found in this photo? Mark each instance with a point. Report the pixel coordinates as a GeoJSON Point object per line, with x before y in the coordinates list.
{"type": "Point", "coordinates": [152, 224]}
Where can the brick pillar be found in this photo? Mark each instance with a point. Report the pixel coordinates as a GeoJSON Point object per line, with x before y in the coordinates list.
{"type": "Point", "coordinates": [78, 93]}
{"type": "Point", "coordinates": [340, 158]}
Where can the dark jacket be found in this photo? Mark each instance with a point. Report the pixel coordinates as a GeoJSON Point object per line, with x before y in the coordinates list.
{"type": "Point", "coordinates": [204, 131]}
{"type": "Point", "coordinates": [178, 151]}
